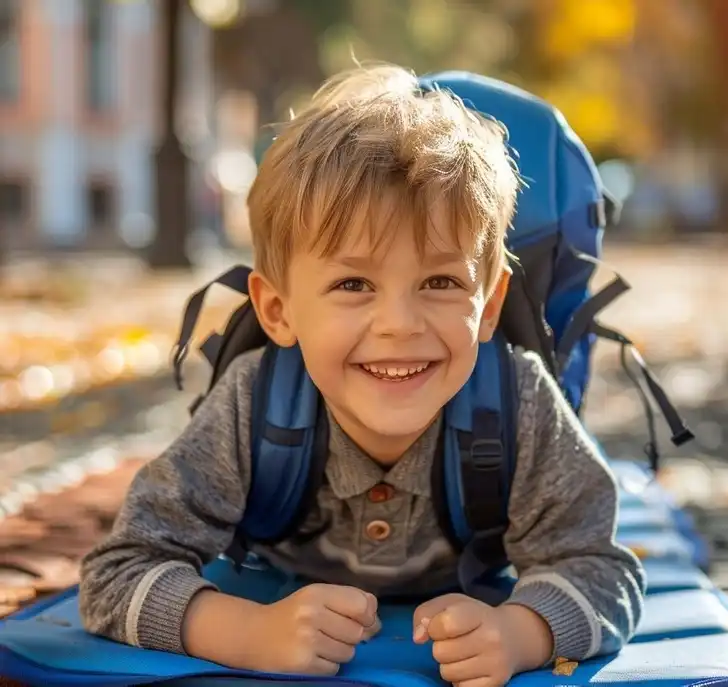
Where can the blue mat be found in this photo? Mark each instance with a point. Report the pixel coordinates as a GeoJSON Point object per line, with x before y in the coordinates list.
{"type": "Point", "coordinates": [669, 576]}
{"type": "Point", "coordinates": [45, 645]}
{"type": "Point", "coordinates": [682, 639]}
{"type": "Point", "coordinates": [646, 517]}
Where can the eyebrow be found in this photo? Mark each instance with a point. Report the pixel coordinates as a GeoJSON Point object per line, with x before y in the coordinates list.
{"type": "Point", "coordinates": [431, 260]}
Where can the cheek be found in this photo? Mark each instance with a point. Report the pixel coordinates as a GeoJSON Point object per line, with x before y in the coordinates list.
{"type": "Point", "coordinates": [461, 324]}
{"type": "Point", "coordinates": [326, 337]}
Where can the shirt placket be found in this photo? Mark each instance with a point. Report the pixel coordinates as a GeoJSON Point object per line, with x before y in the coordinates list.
{"type": "Point", "coordinates": [384, 525]}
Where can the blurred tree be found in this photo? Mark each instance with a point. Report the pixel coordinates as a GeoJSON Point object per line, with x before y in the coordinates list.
{"type": "Point", "coordinates": [272, 52]}
{"type": "Point", "coordinates": [321, 36]}
{"type": "Point", "coordinates": [561, 49]}
{"type": "Point", "coordinates": [424, 35]}
{"type": "Point", "coordinates": [169, 248]}
{"type": "Point", "coordinates": [633, 77]}
{"type": "Point", "coordinates": [717, 94]}
{"type": "Point", "coordinates": [571, 58]}
{"type": "Point", "coordinates": [629, 75]}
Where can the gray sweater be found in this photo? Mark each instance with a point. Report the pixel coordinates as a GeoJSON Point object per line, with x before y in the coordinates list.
{"type": "Point", "coordinates": [182, 509]}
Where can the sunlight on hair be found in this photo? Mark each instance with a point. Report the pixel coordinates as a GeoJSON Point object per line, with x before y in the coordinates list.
{"type": "Point", "coordinates": [367, 132]}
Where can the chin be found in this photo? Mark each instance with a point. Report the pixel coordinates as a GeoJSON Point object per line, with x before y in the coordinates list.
{"type": "Point", "coordinates": [396, 425]}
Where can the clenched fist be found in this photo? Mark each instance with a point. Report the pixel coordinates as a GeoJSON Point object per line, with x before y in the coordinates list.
{"type": "Point", "coordinates": [312, 631]}
{"type": "Point", "coordinates": [315, 629]}
{"type": "Point", "coordinates": [478, 645]}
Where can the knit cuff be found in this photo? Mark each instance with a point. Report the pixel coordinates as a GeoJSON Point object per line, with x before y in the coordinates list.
{"type": "Point", "coordinates": [155, 620]}
{"type": "Point", "coordinates": [575, 633]}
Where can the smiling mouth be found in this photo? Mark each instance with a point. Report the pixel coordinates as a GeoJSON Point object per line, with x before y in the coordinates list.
{"type": "Point", "coordinates": [392, 373]}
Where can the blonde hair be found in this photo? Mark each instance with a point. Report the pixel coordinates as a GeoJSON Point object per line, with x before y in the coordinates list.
{"type": "Point", "coordinates": [368, 132]}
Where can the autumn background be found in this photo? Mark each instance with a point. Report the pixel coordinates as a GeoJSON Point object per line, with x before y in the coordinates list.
{"type": "Point", "coordinates": [130, 131]}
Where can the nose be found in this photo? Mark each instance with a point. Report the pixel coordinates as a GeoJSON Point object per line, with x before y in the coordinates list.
{"type": "Point", "coordinates": [398, 317]}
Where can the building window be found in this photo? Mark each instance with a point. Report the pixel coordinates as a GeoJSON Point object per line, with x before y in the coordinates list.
{"type": "Point", "coordinates": [9, 50]}
{"type": "Point", "coordinates": [100, 200]}
{"type": "Point", "coordinates": [100, 73]}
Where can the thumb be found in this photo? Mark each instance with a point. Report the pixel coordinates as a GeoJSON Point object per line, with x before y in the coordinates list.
{"type": "Point", "coordinates": [427, 611]}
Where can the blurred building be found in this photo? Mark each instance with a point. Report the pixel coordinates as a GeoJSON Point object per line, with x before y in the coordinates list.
{"type": "Point", "coordinates": [78, 115]}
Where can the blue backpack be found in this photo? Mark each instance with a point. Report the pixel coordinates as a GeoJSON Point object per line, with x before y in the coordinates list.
{"type": "Point", "coordinates": [549, 309]}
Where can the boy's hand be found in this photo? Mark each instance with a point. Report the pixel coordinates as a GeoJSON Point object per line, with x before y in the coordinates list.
{"type": "Point", "coordinates": [477, 645]}
{"type": "Point", "coordinates": [315, 629]}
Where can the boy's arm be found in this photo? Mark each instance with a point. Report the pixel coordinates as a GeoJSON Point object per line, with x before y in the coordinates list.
{"type": "Point", "coordinates": [180, 512]}
{"type": "Point", "coordinates": [563, 511]}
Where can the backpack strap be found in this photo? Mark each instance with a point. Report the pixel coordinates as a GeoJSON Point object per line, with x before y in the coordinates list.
{"type": "Point", "coordinates": [473, 472]}
{"type": "Point", "coordinates": [236, 278]}
{"type": "Point", "coordinates": [582, 319]}
{"type": "Point", "coordinates": [289, 447]}
{"type": "Point", "coordinates": [680, 432]}
{"type": "Point", "coordinates": [583, 322]}
{"type": "Point", "coordinates": [288, 431]}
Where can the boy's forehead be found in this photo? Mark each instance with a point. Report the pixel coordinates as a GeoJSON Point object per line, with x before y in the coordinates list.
{"type": "Point", "coordinates": [437, 248]}
{"type": "Point", "coordinates": [385, 225]}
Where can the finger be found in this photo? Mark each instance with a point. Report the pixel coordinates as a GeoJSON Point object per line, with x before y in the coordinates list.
{"type": "Point", "coordinates": [420, 635]}
{"type": "Point", "coordinates": [469, 669]}
{"type": "Point", "coordinates": [369, 632]}
{"type": "Point", "coordinates": [455, 621]}
{"type": "Point", "coordinates": [372, 607]}
{"type": "Point", "coordinates": [352, 603]}
{"type": "Point", "coordinates": [332, 650]}
{"type": "Point", "coordinates": [431, 608]}
{"type": "Point", "coordinates": [320, 666]}
{"type": "Point", "coordinates": [341, 628]}
{"type": "Point", "coordinates": [454, 650]}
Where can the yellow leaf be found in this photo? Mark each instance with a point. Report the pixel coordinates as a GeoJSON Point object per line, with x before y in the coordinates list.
{"type": "Point", "coordinates": [563, 666]}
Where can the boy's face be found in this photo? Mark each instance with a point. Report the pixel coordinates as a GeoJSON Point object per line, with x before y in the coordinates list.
{"type": "Point", "coordinates": [387, 337]}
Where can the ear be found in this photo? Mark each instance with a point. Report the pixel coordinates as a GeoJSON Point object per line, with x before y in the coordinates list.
{"type": "Point", "coordinates": [494, 306]}
{"type": "Point", "coordinates": [270, 308]}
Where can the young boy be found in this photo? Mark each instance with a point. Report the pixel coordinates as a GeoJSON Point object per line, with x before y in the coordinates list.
{"type": "Point", "coordinates": [378, 217]}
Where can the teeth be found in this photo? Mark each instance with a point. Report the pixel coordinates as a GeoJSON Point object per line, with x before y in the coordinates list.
{"type": "Point", "coordinates": [394, 373]}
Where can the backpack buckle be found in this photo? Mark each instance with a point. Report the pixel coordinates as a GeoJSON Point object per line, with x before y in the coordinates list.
{"type": "Point", "coordinates": [487, 454]}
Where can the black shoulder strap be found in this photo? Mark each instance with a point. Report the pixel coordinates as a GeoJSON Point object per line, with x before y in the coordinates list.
{"type": "Point", "coordinates": [680, 431]}
{"type": "Point", "coordinates": [522, 319]}
{"type": "Point", "coordinates": [487, 461]}
{"type": "Point", "coordinates": [582, 318]}
{"type": "Point", "coordinates": [236, 278]}
{"type": "Point", "coordinates": [583, 321]}
{"type": "Point", "coordinates": [488, 496]}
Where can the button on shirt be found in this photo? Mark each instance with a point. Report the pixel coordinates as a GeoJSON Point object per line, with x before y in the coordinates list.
{"type": "Point", "coordinates": [380, 529]}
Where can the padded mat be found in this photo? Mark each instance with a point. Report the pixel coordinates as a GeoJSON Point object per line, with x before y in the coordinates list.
{"type": "Point", "coordinates": [683, 614]}
{"type": "Point", "coordinates": [664, 544]}
{"type": "Point", "coordinates": [649, 516]}
{"type": "Point", "coordinates": [45, 646]}
{"type": "Point", "coordinates": [669, 576]}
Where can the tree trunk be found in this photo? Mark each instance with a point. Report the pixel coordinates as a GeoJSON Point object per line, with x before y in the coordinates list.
{"type": "Point", "coordinates": [169, 249]}
{"type": "Point", "coordinates": [248, 57]}
{"type": "Point", "coordinates": [718, 19]}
